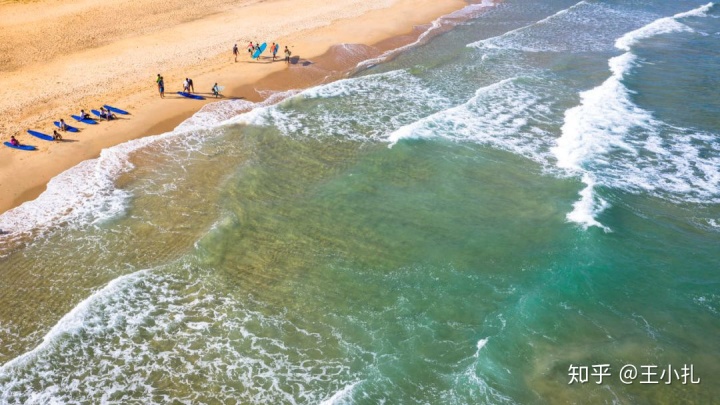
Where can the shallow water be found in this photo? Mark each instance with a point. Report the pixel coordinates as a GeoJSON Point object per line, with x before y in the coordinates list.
{"type": "Point", "coordinates": [461, 224]}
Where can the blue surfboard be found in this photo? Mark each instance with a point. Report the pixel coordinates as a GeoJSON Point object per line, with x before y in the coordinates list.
{"type": "Point", "coordinates": [116, 110]}
{"type": "Point", "coordinates": [192, 96]}
{"type": "Point", "coordinates": [67, 127]}
{"type": "Point", "coordinates": [40, 135]}
{"type": "Point", "coordinates": [259, 51]}
{"type": "Point", "coordinates": [21, 147]}
{"type": "Point", "coordinates": [84, 120]}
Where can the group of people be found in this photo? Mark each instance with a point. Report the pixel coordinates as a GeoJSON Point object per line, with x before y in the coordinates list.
{"type": "Point", "coordinates": [274, 48]}
{"type": "Point", "coordinates": [104, 114]}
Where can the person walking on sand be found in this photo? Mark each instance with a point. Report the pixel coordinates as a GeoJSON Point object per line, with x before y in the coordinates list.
{"type": "Point", "coordinates": [161, 85]}
{"type": "Point", "coordinates": [287, 55]}
{"type": "Point", "coordinates": [251, 48]}
{"type": "Point", "coordinates": [235, 52]}
{"type": "Point", "coordinates": [216, 91]}
{"type": "Point", "coordinates": [275, 49]}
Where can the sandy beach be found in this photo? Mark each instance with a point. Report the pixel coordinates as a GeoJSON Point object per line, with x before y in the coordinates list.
{"type": "Point", "coordinates": [61, 56]}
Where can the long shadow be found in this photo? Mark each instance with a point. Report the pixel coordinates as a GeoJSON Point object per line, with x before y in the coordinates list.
{"type": "Point", "coordinates": [296, 59]}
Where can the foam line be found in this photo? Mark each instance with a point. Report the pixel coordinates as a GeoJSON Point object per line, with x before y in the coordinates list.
{"type": "Point", "coordinates": [485, 42]}
{"type": "Point", "coordinates": [342, 396]}
{"type": "Point", "coordinates": [420, 128]}
{"type": "Point", "coordinates": [74, 320]}
{"type": "Point", "coordinates": [661, 26]}
{"type": "Point", "coordinates": [434, 26]}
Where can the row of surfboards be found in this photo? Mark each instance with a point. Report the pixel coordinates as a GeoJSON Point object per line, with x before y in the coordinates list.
{"type": "Point", "coordinates": [68, 128]}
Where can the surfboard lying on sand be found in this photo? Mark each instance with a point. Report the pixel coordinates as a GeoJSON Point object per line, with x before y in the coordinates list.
{"type": "Point", "coordinates": [116, 110]}
{"type": "Point", "coordinates": [21, 147]}
{"type": "Point", "coordinates": [259, 51]}
{"type": "Point", "coordinates": [192, 96]}
{"type": "Point", "coordinates": [67, 127]}
{"type": "Point", "coordinates": [84, 120]}
{"type": "Point", "coordinates": [40, 135]}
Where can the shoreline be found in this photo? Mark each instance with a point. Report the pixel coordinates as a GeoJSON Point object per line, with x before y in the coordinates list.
{"type": "Point", "coordinates": [317, 57]}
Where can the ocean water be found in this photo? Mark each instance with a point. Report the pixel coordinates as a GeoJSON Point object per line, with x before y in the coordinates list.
{"type": "Point", "coordinates": [530, 191]}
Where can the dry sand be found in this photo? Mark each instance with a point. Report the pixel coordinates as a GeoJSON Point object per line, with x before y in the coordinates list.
{"type": "Point", "coordinates": [58, 56]}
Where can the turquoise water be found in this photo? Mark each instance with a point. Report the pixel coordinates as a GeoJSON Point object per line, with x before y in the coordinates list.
{"type": "Point", "coordinates": [533, 190]}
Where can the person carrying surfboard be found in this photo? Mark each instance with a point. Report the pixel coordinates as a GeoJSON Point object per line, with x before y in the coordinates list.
{"type": "Point", "coordinates": [216, 90]}
{"type": "Point", "coordinates": [287, 55]}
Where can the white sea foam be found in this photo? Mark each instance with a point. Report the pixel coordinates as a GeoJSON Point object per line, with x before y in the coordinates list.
{"type": "Point", "coordinates": [491, 42]}
{"type": "Point", "coordinates": [344, 396]}
{"type": "Point", "coordinates": [647, 155]}
{"type": "Point", "coordinates": [593, 25]}
{"type": "Point", "coordinates": [73, 321]}
{"type": "Point", "coordinates": [599, 124]}
{"type": "Point", "coordinates": [661, 26]}
{"type": "Point", "coordinates": [168, 322]}
{"type": "Point", "coordinates": [480, 344]}
{"type": "Point", "coordinates": [507, 115]}
{"type": "Point", "coordinates": [355, 108]}
{"type": "Point", "coordinates": [589, 206]}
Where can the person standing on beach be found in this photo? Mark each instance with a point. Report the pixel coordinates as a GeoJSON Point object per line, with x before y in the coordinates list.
{"type": "Point", "coordinates": [186, 86]}
{"type": "Point", "coordinates": [191, 86]}
{"type": "Point", "coordinates": [251, 48]}
{"type": "Point", "coordinates": [161, 85]}
{"type": "Point", "coordinates": [235, 52]}
{"type": "Point", "coordinates": [287, 55]}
